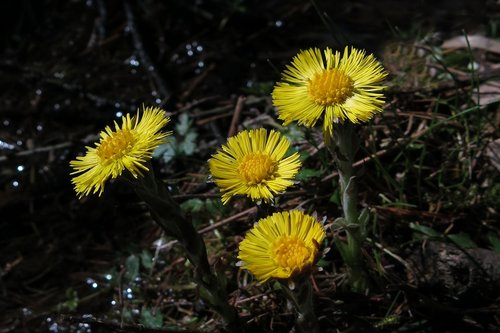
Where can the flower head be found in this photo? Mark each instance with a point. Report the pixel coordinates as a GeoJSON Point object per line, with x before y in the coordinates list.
{"type": "Point", "coordinates": [126, 147]}
{"type": "Point", "coordinates": [282, 245]}
{"type": "Point", "coordinates": [342, 87]}
{"type": "Point", "coordinates": [253, 163]}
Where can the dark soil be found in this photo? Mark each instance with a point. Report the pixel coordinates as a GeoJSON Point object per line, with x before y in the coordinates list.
{"type": "Point", "coordinates": [69, 68]}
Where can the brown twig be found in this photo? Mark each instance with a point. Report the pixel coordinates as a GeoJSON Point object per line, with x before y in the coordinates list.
{"type": "Point", "coordinates": [38, 150]}
{"type": "Point", "coordinates": [117, 327]}
{"type": "Point", "coordinates": [228, 220]}
{"type": "Point", "coordinates": [236, 116]}
{"type": "Point", "coordinates": [146, 61]}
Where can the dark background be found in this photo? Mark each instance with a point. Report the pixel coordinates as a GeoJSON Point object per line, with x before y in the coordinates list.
{"type": "Point", "coordinates": [68, 68]}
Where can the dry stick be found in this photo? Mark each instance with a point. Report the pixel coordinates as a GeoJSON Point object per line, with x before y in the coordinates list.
{"type": "Point", "coordinates": [384, 151]}
{"type": "Point", "coordinates": [227, 220]}
{"type": "Point", "coordinates": [117, 327]}
{"type": "Point", "coordinates": [37, 150]}
{"type": "Point", "coordinates": [236, 116]}
{"type": "Point", "coordinates": [196, 81]}
{"type": "Point", "coordinates": [143, 56]}
{"type": "Point", "coordinates": [358, 163]}
{"type": "Point", "coordinates": [217, 224]}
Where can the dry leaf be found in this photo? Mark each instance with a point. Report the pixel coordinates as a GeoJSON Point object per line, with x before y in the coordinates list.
{"type": "Point", "coordinates": [475, 41]}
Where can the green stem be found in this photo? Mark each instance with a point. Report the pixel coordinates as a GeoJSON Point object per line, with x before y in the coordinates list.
{"type": "Point", "coordinates": [168, 214]}
{"type": "Point", "coordinates": [302, 298]}
{"type": "Point", "coordinates": [344, 146]}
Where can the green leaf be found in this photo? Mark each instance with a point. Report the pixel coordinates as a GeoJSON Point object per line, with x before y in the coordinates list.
{"type": "Point", "coordinates": [146, 259]}
{"type": "Point", "coordinates": [305, 174]}
{"type": "Point", "coordinates": [188, 145]}
{"type": "Point", "coordinates": [183, 124]}
{"type": "Point", "coordinates": [132, 265]}
{"type": "Point", "coordinates": [127, 315]}
{"type": "Point", "coordinates": [335, 197]}
{"type": "Point", "coordinates": [294, 133]}
{"type": "Point", "coordinates": [71, 302]}
{"type": "Point", "coordinates": [463, 240]}
{"type": "Point", "coordinates": [192, 205]}
{"type": "Point", "coordinates": [215, 207]}
{"type": "Point", "coordinates": [166, 151]}
{"type": "Point", "coordinates": [425, 230]}
{"type": "Point", "coordinates": [151, 320]}
{"type": "Point", "coordinates": [364, 218]}
{"type": "Point", "coordinates": [303, 155]}
{"type": "Point", "coordinates": [494, 241]}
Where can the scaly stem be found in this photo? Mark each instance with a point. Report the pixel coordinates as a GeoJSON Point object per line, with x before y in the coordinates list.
{"type": "Point", "coordinates": [344, 146]}
{"type": "Point", "coordinates": [168, 214]}
{"type": "Point", "coordinates": [302, 298]}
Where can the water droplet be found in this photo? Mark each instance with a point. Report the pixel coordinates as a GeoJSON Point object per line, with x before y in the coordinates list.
{"type": "Point", "coordinates": [5, 145]}
{"type": "Point", "coordinates": [6, 122]}
{"type": "Point", "coordinates": [26, 312]}
{"type": "Point", "coordinates": [59, 75]}
{"type": "Point", "coordinates": [119, 114]}
{"type": "Point", "coordinates": [190, 53]}
{"type": "Point", "coordinates": [94, 285]}
{"type": "Point", "coordinates": [19, 142]}
{"type": "Point", "coordinates": [54, 328]}
{"type": "Point", "coordinates": [199, 48]}
{"type": "Point", "coordinates": [154, 93]}
{"type": "Point", "coordinates": [113, 302]}
{"type": "Point", "coordinates": [57, 106]}
{"type": "Point", "coordinates": [20, 168]}
{"type": "Point", "coordinates": [132, 61]}
{"type": "Point", "coordinates": [151, 68]}
{"type": "Point", "coordinates": [108, 277]}
{"type": "Point", "coordinates": [158, 101]}
{"type": "Point", "coordinates": [201, 64]}
{"type": "Point", "coordinates": [129, 290]}
{"type": "Point", "coordinates": [39, 127]}
{"type": "Point", "coordinates": [19, 131]}
{"type": "Point", "coordinates": [278, 23]}
{"type": "Point", "coordinates": [38, 92]}
{"type": "Point", "coordinates": [48, 319]}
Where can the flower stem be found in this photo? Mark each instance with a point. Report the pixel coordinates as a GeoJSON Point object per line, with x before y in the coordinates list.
{"type": "Point", "coordinates": [344, 146]}
{"type": "Point", "coordinates": [168, 214]}
{"type": "Point", "coordinates": [302, 298]}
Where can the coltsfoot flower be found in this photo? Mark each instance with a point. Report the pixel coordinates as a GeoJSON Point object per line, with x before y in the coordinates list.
{"type": "Point", "coordinates": [253, 163]}
{"type": "Point", "coordinates": [126, 147]}
{"type": "Point", "coordinates": [342, 87]}
{"type": "Point", "coordinates": [281, 246]}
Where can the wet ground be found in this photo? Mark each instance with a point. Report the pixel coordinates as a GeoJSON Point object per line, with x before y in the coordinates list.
{"type": "Point", "coordinates": [68, 68]}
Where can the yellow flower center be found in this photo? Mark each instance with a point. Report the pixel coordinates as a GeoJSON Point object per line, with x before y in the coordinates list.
{"type": "Point", "coordinates": [330, 87]}
{"type": "Point", "coordinates": [116, 145]}
{"type": "Point", "coordinates": [256, 167]}
{"type": "Point", "coordinates": [291, 252]}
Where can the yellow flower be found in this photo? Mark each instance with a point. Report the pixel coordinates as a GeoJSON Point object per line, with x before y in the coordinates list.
{"type": "Point", "coordinates": [281, 246]}
{"type": "Point", "coordinates": [343, 87]}
{"type": "Point", "coordinates": [126, 147]}
{"type": "Point", "coordinates": [253, 164]}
